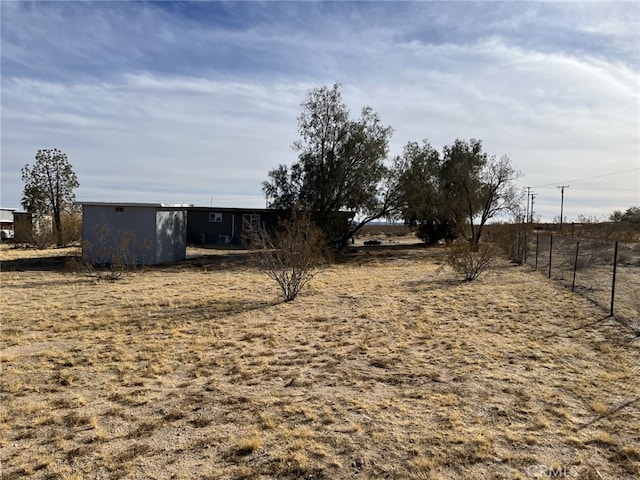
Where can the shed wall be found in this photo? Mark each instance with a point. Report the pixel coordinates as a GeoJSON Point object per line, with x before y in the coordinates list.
{"type": "Point", "coordinates": [109, 231]}
{"type": "Point", "coordinates": [171, 236]}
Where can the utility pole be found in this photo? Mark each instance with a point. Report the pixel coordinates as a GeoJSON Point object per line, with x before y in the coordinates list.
{"type": "Point", "coordinates": [533, 195]}
{"type": "Point", "coordinates": [562, 187]}
{"type": "Point", "coordinates": [528, 194]}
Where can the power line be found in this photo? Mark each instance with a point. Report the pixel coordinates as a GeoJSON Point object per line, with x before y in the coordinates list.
{"type": "Point", "coordinates": [589, 178]}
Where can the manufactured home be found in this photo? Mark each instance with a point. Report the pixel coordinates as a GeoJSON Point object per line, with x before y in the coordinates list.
{"type": "Point", "coordinates": [227, 225]}
{"type": "Point", "coordinates": [140, 233]}
{"type": "Point", "coordinates": [6, 223]}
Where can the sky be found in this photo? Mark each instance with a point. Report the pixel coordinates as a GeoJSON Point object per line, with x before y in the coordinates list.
{"type": "Point", "coordinates": [195, 102]}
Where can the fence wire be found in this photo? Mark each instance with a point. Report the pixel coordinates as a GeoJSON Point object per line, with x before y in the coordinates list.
{"type": "Point", "coordinates": [589, 268]}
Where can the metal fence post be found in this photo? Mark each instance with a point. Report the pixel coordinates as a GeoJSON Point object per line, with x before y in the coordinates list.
{"type": "Point", "coordinates": [575, 267]}
{"type": "Point", "coordinates": [613, 282]}
{"type": "Point", "coordinates": [537, 248]}
{"type": "Point", "coordinates": [550, 252]}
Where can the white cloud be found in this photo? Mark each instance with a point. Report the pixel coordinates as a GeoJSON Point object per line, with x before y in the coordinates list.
{"type": "Point", "coordinates": [155, 106]}
{"type": "Point", "coordinates": [183, 138]}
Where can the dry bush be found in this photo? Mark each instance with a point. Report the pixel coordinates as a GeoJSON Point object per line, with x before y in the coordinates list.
{"type": "Point", "coordinates": [513, 239]}
{"type": "Point", "coordinates": [293, 254]}
{"type": "Point", "coordinates": [39, 231]}
{"type": "Point", "coordinates": [605, 231]}
{"type": "Point", "coordinates": [626, 254]}
{"type": "Point", "coordinates": [71, 228]}
{"type": "Point", "coordinates": [591, 253]}
{"type": "Point", "coordinates": [470, 261]}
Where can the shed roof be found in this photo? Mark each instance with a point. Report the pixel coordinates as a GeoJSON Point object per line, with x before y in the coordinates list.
{"type": "Point", "coordinates": [250, 210]}
{"type": "Point", "coordinates": [233, 209]}
{"type": "Point", "coordinates": [136, 204]}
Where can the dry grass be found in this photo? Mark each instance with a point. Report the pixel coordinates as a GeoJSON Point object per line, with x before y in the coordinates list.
{"type": "Point", "coordinates": [387, 366]}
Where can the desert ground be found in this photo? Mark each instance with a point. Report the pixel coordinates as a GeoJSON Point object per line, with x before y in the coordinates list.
{"type": "Point", "coordinates": [386, 366]}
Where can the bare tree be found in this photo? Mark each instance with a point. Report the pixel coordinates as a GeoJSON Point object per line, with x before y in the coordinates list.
{"type": "Point", "coordinates": [475, 187]}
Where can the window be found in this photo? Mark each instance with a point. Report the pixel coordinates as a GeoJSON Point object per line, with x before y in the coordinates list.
{"type": "Point", "coordinates": [250, 222]}
{"type": "Point", "coordinates": [215, 217]}
{"type": "Point", "coordinates": [119, 209]}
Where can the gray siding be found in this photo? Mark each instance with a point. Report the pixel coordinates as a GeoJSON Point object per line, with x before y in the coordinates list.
{"type": "Point", "coordinates": [171, 235]}
{"type": "Point", "coordinates": [108, 232]}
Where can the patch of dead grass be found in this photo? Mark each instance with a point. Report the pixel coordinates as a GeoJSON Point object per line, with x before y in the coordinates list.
{"type": "Point", "coordinates": [386, 366]}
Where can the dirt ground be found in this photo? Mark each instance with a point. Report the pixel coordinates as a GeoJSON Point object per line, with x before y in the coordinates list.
{"type": "Point", "coordinates": [386, 366]}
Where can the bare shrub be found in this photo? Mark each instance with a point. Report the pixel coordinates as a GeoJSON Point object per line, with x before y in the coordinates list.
{"type": "Point", "coordinates": [626, 255]}
{"type": "Point", "coordinates": [75, 264]}
{"type": "Point", "coordinates": [71, 224]}
{"type": "Point", "coordinates": [591, 253]}
{"type": "Point", "coordinates": [513, 241]}
{"type": "Point", "coordinates": [582, 262]}
{"type": "Point", "coordinates": [42, 239]}
{"type": "Point", "coordinates": [293, 254]}
{"type": "Point", "coordinates": [470, 260]}
{"type": "Point", "coordinates": [34, 230]}
{"type": "Point", "coordinates": [566, 253]}
{"type": "Point", "coordinates": [38, 231]}
{"type": "Point", "coordinates": [601, 252]}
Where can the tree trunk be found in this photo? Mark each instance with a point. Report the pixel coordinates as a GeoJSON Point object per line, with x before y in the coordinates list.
{"type": "Point", "coordinates": [57, 225]}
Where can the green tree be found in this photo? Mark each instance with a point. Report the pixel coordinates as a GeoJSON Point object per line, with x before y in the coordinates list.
{"type": "Point", "coordinates": [453, 194]}
{"type": "Point", "coordinates": [49, 186]}
{"type": "Point", "coordinates": [631, 215]}
{"type": "Point", "coordinates": [341, 166]}
{"type": "Point", "coordinates": [475, 188]}
{"type": "Point", "coordinates": [416, 173]}
{"type": "Point", "coordinates": [616, 216]}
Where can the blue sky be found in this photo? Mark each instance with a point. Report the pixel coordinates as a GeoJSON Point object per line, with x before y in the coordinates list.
{"type": "Point", "coordinates": [194, 102]}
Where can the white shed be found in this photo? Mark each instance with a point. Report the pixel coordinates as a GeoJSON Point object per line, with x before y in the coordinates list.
{"type": "Point", "coordinates": [141, 233]}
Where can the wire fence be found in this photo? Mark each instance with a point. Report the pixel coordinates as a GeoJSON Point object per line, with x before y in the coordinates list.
{"type": "Point", "coordinates": [605, 271]}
